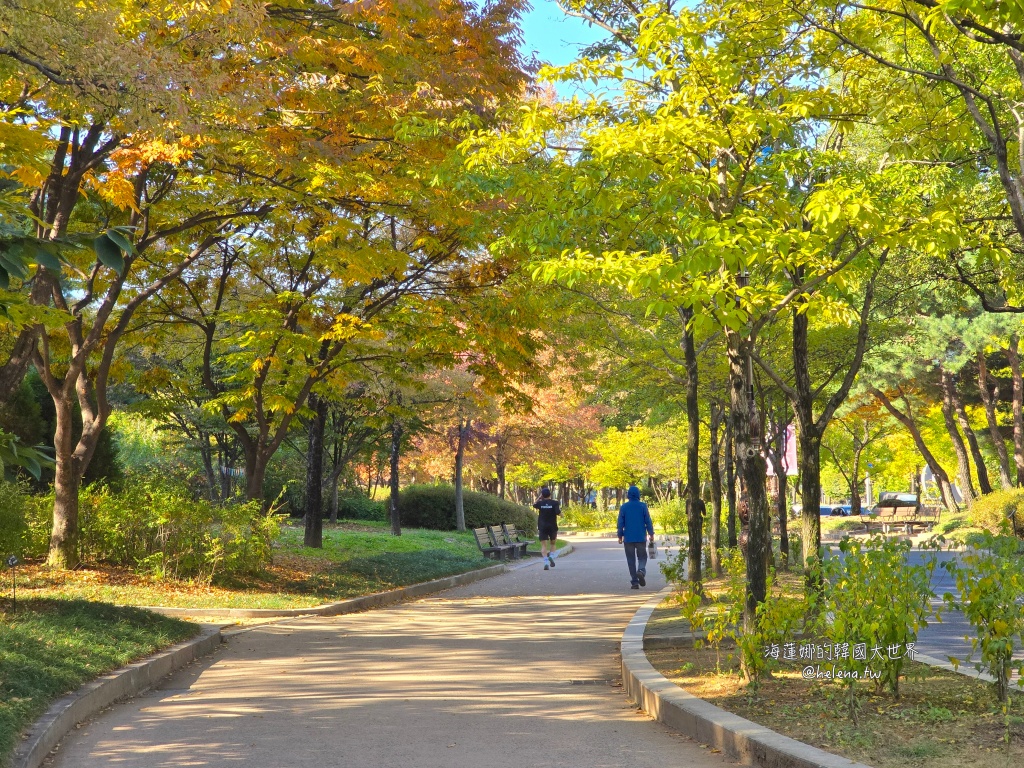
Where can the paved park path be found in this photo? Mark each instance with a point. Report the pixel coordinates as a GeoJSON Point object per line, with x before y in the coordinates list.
{"type": "Point", "coordinates": [520, 670]}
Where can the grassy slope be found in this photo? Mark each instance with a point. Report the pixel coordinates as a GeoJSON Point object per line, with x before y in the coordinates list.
{"type": "Point", "coordinates": [357, 559]}
{"type": "Point", "coordinates": [50, 647]}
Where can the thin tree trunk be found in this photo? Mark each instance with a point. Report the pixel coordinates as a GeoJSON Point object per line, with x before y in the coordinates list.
{"type": "Point", "coordinates": [962, 461]}
{"type": "Point", "coordinates": [694, 518]}
{"type": "Point", "coordinates": [989, 398]}
{"type": "Point", "coordinates": [334, 499]}
{"type": "Point", "coordinates": [907, 420]}
{"type": "Point", "coordinates": [206, 455]}
{"type": "Point", "coordinates": [314, 528]}
{"type": "Point", "coordinates": [859, 445]}
{"type": "Point", "coordinates": [460, 455]}
{"type": "Point", "coordinates": [717, 414]}
{"type": "Point", "coordinates": [1012, 353]}
{"type": "Point", "coordinates": [984, 484]}
{"type": "Point", "coordinates": [396, 445]}
{"type": "Point", "coordinates": [730, 482]}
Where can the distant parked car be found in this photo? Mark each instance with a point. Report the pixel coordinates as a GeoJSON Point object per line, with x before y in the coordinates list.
{"type": "Point", "coordinates": [824, 510]}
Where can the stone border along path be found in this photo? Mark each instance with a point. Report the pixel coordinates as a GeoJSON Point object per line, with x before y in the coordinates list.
{"type": "Point", "coordinates": [92, 697]}
{"type": "Point", "coordinates": [68, 711]}
{"type": "Point", "coordinates": [529, 658]}
{"type": "Point", "coordinates": [742, 739]}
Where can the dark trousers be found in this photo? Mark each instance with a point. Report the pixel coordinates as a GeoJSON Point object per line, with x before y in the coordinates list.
{"type": "Point", "coordinates": [636, 559]}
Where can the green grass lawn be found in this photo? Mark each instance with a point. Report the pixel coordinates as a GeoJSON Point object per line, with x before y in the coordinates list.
{"type": "Point", "coordinates": [50, 647]}
{"type": "Point", "coordinates": [357, 559]}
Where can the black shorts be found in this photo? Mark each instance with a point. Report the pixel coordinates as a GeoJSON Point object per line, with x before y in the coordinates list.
{"type": "Point", "coordinates": [547, 531]}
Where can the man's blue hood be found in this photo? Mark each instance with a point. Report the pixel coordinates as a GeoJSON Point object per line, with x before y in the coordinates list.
{"type": "Point", "coordinates": [633, 494]}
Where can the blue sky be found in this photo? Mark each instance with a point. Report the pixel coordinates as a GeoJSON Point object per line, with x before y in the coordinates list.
{"type": "Point", "coordinates": [555, 37]}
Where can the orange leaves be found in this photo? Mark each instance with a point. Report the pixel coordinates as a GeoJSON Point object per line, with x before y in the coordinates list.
{"type": "Point", "coordinates": [118, 185]}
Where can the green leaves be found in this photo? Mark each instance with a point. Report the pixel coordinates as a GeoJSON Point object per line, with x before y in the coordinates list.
{"type": "Point", "coordinates": [990, 587]}
{"type": "Point", "coordinates": [13, 453]}
{"type": "Point", "coordinates": [111, 248]}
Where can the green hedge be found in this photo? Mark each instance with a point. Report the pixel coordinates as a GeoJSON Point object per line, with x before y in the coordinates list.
{"type": "Point", "coordinates": [993, 511]}
{"type": "Point", "coordinates": [357, 506]}
{"type": "Point", "coordinates": [433, 506]}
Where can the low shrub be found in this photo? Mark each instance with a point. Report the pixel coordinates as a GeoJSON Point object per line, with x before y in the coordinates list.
{"type": "Point", "coordinates": [990, 593]}
{"type": "Point", "coordinates": [356, 506]}
{"type": "Point", "coordinates": [433, 506]}
{"type": "Point", "coordinates": [588, 518]}
{"type": "Point", "coordinates": [157, 527]}
{"type": "Point", "coordinates": [874, 596]}
{"type": "Point", "coordinates": [1000, 511]}
{"type": "Point", "coordinates": [670, 516]}
{"type": "Point", "coordinates": [13, 527]}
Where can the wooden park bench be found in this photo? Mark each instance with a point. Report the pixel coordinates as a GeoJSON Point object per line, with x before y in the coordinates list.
{"type": "Point", "coordinates": [500, 538]}
{"type": "Point", "coordinates": [491, 548]}
{"type": "Point", "coordinates": [516, 537]}
{"type": "Point", "coordinates": [909, 519]}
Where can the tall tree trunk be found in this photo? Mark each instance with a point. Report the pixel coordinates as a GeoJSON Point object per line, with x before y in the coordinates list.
{"type": "Point", "coordinates": [963, 463]}
{"type": "Point", "coordinates": [989, 398]}
{"type": "Point", "coordinates": [1013, 354]}
{"type": "Point", "coordinates": [810, 501]}
{"type": "Point", "coordinates": [984, 485]}
{"type": "Point", "coordinates": [751, 467]}
{"type": "Point", "coordinates": [396, 447]}
{"type": "Point", "coordinates": [314, 528]}
{"type": "Point", "coordinates": [694, 518]}
{"type": "Point", "coordinates": [255, 474]}
{"type": "Point", "coordinates": [460, 455]}
{"type": "Point", "coordinates": [730, 481]}
{"type": "Point", "coordinates": [717, 414]}
{"type": "Point", "coordinates": [810, 455]}
{"type": "Point", "coordinates": [907, 420]}
{"type": "Point", "coordinates": [64, 553]}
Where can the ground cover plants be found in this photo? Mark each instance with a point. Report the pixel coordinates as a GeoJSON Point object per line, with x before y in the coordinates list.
{"type": "Point", "coordinates": [50, 647]}
{"type": "Point", "coordinates": [799, 670]}
{"type": "Point", "coordinates": [940, 719]}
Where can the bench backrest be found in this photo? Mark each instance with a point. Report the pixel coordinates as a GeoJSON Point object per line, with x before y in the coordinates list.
{"type": "Point", "coordinates": [482, 539]}
{"type": "Point", "coordinates": [511, 532]}
{"type": "Point", "coordinates": [497, 536]}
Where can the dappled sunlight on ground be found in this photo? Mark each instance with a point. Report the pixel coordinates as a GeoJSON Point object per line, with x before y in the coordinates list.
{"type": "Point", "coordinates": [458, 681]}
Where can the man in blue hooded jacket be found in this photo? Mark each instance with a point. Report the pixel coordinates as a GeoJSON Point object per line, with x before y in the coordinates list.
{"type": "Point", "coordinates": [634, 522]}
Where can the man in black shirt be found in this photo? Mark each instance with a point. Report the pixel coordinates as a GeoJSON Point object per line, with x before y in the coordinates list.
{"type": "Point", "coordinates": [548, 510]}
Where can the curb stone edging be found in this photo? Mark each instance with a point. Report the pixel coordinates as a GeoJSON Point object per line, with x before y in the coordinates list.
{"type": "Point", "coordinates": [65, 713]}
{"type": "Point", "coordinates": [739, 738]}
{"type": "Point", "coordinates": [355, 604]}
{"type": "Point", "coordinates": [363, 603]}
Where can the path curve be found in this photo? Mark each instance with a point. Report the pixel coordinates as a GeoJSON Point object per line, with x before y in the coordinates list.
{"type": "Point", "coordinates": [516, 671]}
